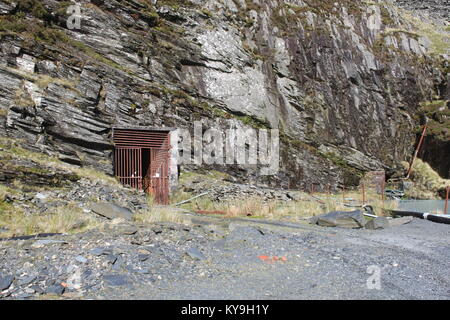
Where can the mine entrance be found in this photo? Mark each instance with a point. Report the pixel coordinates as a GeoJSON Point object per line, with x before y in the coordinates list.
{"type": "Point", "coordinates": [141, 160]}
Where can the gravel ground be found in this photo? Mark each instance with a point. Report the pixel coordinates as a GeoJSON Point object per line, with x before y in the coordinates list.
{"type": "Point", "coordinates": [229, 259]}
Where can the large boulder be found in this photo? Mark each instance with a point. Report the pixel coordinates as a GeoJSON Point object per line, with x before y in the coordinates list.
{"type": "Point", "coordinates": [112, 211]}
{"type": "Point", "coordinates": [344, 219]}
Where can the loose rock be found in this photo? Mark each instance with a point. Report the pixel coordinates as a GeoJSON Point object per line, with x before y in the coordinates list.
{"type": "Point", "coordinates": [195, 254]}
{"type": "Point", "coordinates": [377, 223]}
{"type": "Point", "coordinates": [5, 282]}
{"type": "Point", "coordinates": [112, 211]}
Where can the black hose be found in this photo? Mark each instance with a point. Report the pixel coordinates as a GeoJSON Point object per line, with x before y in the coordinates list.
{"type": "Point", "coordinates": [430, 217]}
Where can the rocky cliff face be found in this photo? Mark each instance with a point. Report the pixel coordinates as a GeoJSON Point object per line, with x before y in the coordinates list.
{"type": "Point", "coordinates": [436, 9]}
{"type": "Point", "coordinates": [343, 81]}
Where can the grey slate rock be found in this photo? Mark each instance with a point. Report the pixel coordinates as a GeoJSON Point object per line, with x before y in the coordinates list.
{"type": "Point", "coordinates": [81, 259]}
{"type": "Point", "coordinates": [55, 289]}
{"type": "Point", "coordinates": [400, 221]}
{"type": "Point", "coordinates": [344, 219]}
{"type": "Point", "coordinates": [97, 251]}
{"type": "Point", "coordinates": [112, 211]}
{"type": "Point", "coordinates": [143, 257]}
{"type": "Point", "coordinates": [42, 243]}
{"type": "Point", "coordinates": [26, 280]}
{"type": "Point", "coordinates": [116, 280]}
{"type": "Point", "coordinates": [6, 281]}
{"type": "Point", "coordinates": [143, 271]}
{"type": "Point", "coordinates": [195, 254]}
{"type": "Point", "coordinates": [111, 258]}
{"type": "Point", "coordinates": [37, 289]}
{"type": "Point", "coordinates": [377, 223]}
{"type": "Point", "coordinates": [117, 265]}
{"type": "Point", "coordinates": [127, 230]}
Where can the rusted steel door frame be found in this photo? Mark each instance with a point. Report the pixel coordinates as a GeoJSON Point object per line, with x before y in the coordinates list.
{"type": "Point", "coordinates": [128, 166]}
{"type": "Point", "coordinates": [129, 163]}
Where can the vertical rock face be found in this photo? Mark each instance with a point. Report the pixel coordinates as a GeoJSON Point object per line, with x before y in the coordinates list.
{"type": "Point", "coordinates": [342, 80]}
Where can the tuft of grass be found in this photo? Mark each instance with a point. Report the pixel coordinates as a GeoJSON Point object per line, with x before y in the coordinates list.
{"type": "Point", "coordinates": [427, 182]}
{"type": "Point", "coordinates": [67, 219]}
{"type": "Point", "coordinates": [159, 214]}
{"type": "Point", "coordinates": [307, 206]}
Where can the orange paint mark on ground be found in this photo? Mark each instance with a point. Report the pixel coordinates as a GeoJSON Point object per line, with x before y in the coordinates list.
{"type": "Point", "coordinates": [273, 258]}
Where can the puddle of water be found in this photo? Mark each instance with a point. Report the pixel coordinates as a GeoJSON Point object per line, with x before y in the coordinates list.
{"type": "Point", "coordinates": [430, 206]}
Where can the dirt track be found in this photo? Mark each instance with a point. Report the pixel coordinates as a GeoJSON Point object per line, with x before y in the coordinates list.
{"type": "Point", "coordinates": [321, 263]}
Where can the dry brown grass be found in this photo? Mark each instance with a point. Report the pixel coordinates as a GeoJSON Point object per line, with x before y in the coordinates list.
{"type": "Point", "coordinates": [306, 207]}
{"type": "Point", "coordinates": [67, 219]}
{"type": "Point", "coordinates": [159, 214]}
{"type": "Point", "coordinates": [427, 182]}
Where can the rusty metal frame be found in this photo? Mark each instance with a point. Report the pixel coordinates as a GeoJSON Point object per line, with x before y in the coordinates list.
{"type": "Point", "coordinates": [129, 165]}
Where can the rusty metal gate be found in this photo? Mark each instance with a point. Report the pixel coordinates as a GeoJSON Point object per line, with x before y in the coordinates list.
{"type": "Point", "coordinates": [141, 160]}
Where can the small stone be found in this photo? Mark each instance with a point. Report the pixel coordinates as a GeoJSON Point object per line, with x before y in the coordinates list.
{"type": "Point", "coordinates": [81, 259]}
{"type": "Point", "coordinates": [116, 280]}
{"type": "Point", "coordinates": [26, 281]}
{"type": "Point", "coordinates": [5, 282]}
{"type": "Point", "coordinates": [97, 251]}
{"type": "Point", "coordinates": [42, 243]}
{"type": "Point", "coordinates": [143, 271]}
{"type": "Point", "coordinates": [377, 223]}
{"type": "Point", "coordinates": [128, 230]}
{"type": "Point", "coordinates": [29, 290]}
{"type": "Point", "coordinates": [143, 257]}
{"type": "Point", "coordinates": [118, 263]}
{"type": "Point", "coordinates": [72, 295]}
{"type": "Point", "coordinates": [37, 289]}
{"type": "Point", "coordinates": [157, 230]}
{"type": "Point", "coordinates": [111, 258]}
{"type": "Point", "coordinates": [41, 196]}
{"type": "Point", "coordinates": [71, 268]}
{"type": "Point", "coordinates": [195, 254]}
{"type": "Point", "coordinates": [56, 289]}
{"type": "Point", "coordinates": [400, 221]}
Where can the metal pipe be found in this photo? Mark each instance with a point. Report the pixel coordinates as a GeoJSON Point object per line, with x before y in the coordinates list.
{"type": "Point", "coordinates": [193, 198]}
{"type": "Point", "coordinates": [363, 193]}
{"type": "Point", "coordinates": [417, 151]}
{"type": "Point", "coordinates": [446, 200]}
{"type": "Point", "coordinates": [420, 215]}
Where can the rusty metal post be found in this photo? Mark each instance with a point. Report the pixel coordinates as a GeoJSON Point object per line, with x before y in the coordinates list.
{"type": "Point", "coordinates": [343, 194]}
{"type": "Point", "coordinates": [417, 151]}
{"type": "Point", "coordinates": [363, 193]}
{"type": "Point", "coordinates": [446, 200]}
